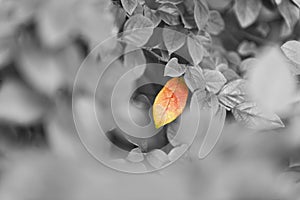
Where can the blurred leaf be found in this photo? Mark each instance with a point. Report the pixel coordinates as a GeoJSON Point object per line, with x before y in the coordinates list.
{"type": "Point", "coordinates": [157, 158]}
{"type": "Point", "coordinates": [233, 58]}
{"type": "Point", "coordinates": [173, 39]}
{"type": "Point", "coordinates": [263, 28]}
{"type": "Point", "coordinates": [247, 65]}
{"type": "Point", "coordinates": [195, 48]}
{"type": "Point", "coordinates": [174, 69]}
{"type": "Point", "coordinates": [214, 131]}
{"type": "Point", "coordinates": [42, 70]}
{"type": "Point", "coordinates": [201, 13]}
{"type": "Point", "coordinates": [135, 155]}
{"type": "Point", "coordinates": [276, 91]}
{"type": "Point", "coordinates": [55, 25]}
{"type": "Point", "coordinates": [297, 2]}
{"type": "Point", "coordinates": [253, 117]}
{"type": "Point", "coordinates": [247, 48]}
{"type": "Point", "coordinates": [137, 30]}
{"type": "Point", "coordinates": [214, 80]}
{"type": "Point", "coordinates": [91, 18]}
{"type": "Point", "coordinates": [290, 13]}
{"type": "Point", "coordinates": [177, 152]}
{"type": "Point", "coordinates": [233, 93]}
{"type": "Point", "coordinates": [292, 50]}
{"type": "Point", "coordinates": [133, 58]}
{"type": "Point", "coordinates": [129, 5]}
{"type": "Point", "coordinates": [5, 51]}
{"type": "Point", "coordinates": [119, 15]}
{"type": "Point", "coordinates": [169, 13]}
{"type": "Point", "coordinates": [170, 102]}
{"type": "Point", "coordinates": [172, 132]}
{"type": "Point", "coordinates": [18, 104]}
{"type": "Point", "coordinates": [194, 78]}
{"type": "Point", "coordinates": [247, 11]}
{"type": "Point", "coordinates": [215, 23]}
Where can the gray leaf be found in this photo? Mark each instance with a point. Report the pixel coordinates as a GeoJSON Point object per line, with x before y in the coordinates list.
{"type": "Point", "coordinates": [169, 13]}
{"type": "Point", "coordinates": [152, 15]}
{"type": "Point", "coordinates": [201, 13]}
{"type": "Point", "coordinates": [133, 58]}
{"type": "Point", "coordinates": [194, 78]}
{"type": "Point", "coordinates": [174, 69]}
{"type": "Point", "coordinates": [137, 30]}
{"type": "Point", "coordinates": [20, 105]}
{"type": "Point", "coordinates": [157, 158]}
{"type": "Point", "coordinates": [247, 11]}
{"type": "Point", "coordinates": [173, 39]}
{"type": "Point", "coordinates": [206, 99]}
{"type": "Point", "coordinates": [195, 48]}
{"type": "Point", "coordinates": [292, 50]}
{"type": "Point", "coordinates": [214, 80]}
{"type": "Point", "coordinates": [177, 152]}
{"type": "Point", "coordinates": [233, 93]}
{"type": "Point", "coordinates": [213, 132]}
{"type": "Point", "coordinates": [135, 155]}
{"type": "Point", "coordinates": [129, 5]}
{"type": "Point", "coordinates": [290, 13]}
{"type": "Point", "coordinates": [215, 23]}
{"type": "Point", "coordinates": [253, 117]}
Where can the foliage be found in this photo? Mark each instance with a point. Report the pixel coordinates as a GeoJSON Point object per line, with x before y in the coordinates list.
{"type": "Point", "coordinates": [239, 60]}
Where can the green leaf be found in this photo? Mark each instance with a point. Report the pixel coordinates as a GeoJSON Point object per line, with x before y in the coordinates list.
{"type": "Point", "coordinates": [290, 13]}
{"type": "Point", "coordinates": [135, 155]}
{"type": "Point", "coordinates": [252, 116]}
{"type": "Point", "coordinates": [201, 13]}
{"type": "Point", "coordinates": [173, 39]}
{"type": "Point", "coordinates": [195, 48]}
{"type": "Point", "coordinates": [247, 11]}
{"type": "Point", "coordinates": [292, 50]}
{"type": "Point", "coordinates": [174, 69]}
{"type": "Point", "coordinates": [215, 23]}
{"type": "Point", "coordinates": [137, 30]}
{"type": "Point", "coordinates": [169, 13]}
{"type": "Point", "coordinates": [214, 80]}
{"type": "Point", "coordinates": [194, 78]}
{"type": "Point", "coordinates": [129, 5]}
{"type": "Point", "coordinates": [233, 93]}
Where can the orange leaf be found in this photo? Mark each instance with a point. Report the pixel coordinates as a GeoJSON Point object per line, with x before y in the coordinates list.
{"type": "Point", "coordinates": [170, 102]}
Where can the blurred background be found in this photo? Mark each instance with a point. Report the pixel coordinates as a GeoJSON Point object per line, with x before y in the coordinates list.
{"type": "Point", "coordinates": [43, 44]}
